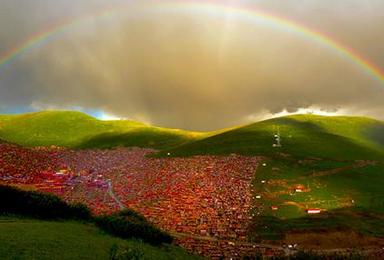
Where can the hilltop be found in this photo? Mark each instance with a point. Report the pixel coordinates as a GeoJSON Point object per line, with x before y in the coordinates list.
{"type": "Point", "coordinates": [77, 130]}
{"type": "Point", "coordinates": [338, 137]}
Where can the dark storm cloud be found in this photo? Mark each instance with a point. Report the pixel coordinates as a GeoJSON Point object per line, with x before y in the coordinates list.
{"type": "Point", "coordinates": [194, 71]}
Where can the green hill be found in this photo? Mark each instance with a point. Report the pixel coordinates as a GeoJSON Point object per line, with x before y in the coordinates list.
{"type": "Point", "coordinates": [302, 136]}
{"type": "Point", "coordinates": [78, 130]}
{"type": "Point", "coordinates": [36, 239]}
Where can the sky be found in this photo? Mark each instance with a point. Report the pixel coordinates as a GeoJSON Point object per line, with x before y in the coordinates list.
{"type": "Point", "coordinates": [191, 68]}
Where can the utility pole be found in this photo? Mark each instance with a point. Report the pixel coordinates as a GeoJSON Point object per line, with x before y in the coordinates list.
{"type": "Point", "coordinates": [277, 137]}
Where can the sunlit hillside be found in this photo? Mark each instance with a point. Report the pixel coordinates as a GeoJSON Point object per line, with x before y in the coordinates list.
{"type": "Point", "coordinates": [78, 130]}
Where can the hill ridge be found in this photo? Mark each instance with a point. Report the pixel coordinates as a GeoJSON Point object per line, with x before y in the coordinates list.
{"type": "Point", "coordinates": [315, 135]}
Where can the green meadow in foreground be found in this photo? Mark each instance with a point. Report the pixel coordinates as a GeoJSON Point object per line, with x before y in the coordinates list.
{"type": "Point", "coordinates": [36, 239]}
{"type": "Point", "coordinates": [36, 225]}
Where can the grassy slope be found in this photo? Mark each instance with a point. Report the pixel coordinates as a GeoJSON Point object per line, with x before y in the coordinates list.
{"type": "Point", "coordinates": [75, 129]}
{"type": "Point", "coordinates": [351, 197]}
{"type": "Point", "coordinates": [35, 239]}
{"type": "Point", "coordinates": [302, 136]}
{"type": "Point", "coordinates": [5, 118]}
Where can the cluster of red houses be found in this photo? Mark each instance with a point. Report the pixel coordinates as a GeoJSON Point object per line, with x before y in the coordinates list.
{"type": "Point", "coordinates": [207, 196]}
{"type": "Point", "coordinates": [222, 249]}
{"type": "Point", "coordinates": [24, 166]}
{"type": "Point", "coordinates": [203, 196]}
{"type": "Point", "coordinates": [42, 169]}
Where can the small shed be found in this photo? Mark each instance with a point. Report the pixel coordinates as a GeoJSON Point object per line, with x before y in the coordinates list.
{"type": "Point", "coordinates": [313, 211]}
{"type": "Point", "coordinates": [299, 188]}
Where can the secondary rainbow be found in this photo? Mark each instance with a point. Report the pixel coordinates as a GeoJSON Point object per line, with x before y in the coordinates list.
{"type": "Point", "coordinates": [209, 8]}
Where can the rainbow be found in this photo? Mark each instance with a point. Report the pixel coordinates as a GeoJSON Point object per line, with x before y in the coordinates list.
{"type": "Point", "coordinates": [210, 8]}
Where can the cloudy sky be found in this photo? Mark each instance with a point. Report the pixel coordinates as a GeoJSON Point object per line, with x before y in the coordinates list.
{"type": "Point", "coordinates": [193, 68]}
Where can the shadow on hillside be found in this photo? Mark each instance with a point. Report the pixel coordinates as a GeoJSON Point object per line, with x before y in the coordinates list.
{"type": "Point", "coordinates": [376, 134]}
{"type": "Point", "coordinates": [139, 138]}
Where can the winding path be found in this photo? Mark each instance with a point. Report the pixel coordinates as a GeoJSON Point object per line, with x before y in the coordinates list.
{"type": "Point", "coordinates": [113, 195]}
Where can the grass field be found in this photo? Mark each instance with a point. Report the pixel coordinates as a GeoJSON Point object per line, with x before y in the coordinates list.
{"type": "Point", "coordinates": [35, 239]}
{"type": "Point", "coordinates": [349, 194]}
{"type": "Point", "coordinates": [77, 130]}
